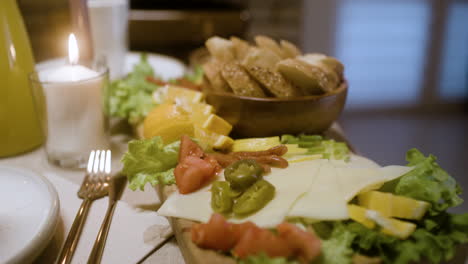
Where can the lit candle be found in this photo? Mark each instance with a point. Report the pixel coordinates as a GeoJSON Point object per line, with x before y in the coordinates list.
{"type": "Point", "coordinates": [71, 72]}
{"type": "Point", "coordinates": [75, 120]}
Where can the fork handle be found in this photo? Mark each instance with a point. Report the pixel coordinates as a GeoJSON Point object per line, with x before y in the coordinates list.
{"type": "Point", "coordinates": [99, 244]}
{"type": "Point", "coordinates": [69, 246]}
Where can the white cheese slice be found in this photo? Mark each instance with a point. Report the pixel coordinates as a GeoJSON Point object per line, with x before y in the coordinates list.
{"type": "Point", "coordinates": [356, 180]}
{"type": "Point", "coordinates": [324, 200]}
{"type": "Point", "coordinates": [394, 171]}
{"type": "Point", "coordinates": [316, 189]}
{"type": "Point", "coordinates": [289, 184]}
{"type": "Point", "coordinates": [353, 180]}
{"type": "Point", "coordinates": [355, 161]}
{"type": "Point", "coordinates": [193, 206]}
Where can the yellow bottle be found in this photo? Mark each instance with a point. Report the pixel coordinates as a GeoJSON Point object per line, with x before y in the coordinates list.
{"type": "Point", "coordinates": [19, 126]}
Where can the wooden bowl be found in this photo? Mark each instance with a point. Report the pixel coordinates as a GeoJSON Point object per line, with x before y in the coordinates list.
{"type": "Point", "coordinates": [263, 117]}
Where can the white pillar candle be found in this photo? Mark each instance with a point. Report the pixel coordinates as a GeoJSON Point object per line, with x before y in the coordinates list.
{"type": "Point", "coordinates": [75, 119]}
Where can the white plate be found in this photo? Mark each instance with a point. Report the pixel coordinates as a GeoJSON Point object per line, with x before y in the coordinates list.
{"type": "Point", "coordinates": [164, 66]}
{"type": "Point", "coordinates": [29, 214]}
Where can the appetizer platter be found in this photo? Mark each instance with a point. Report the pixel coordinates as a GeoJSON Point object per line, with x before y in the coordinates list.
{"type": "Point", "coordinates": [282, 195]}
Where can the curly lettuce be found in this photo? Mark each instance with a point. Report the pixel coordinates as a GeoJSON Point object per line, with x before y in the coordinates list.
{"type": "Point", "coordinates": [337, 248]}
{"type": "Point", "coordinates": [427, 182]}
{"type": "Point", "coordinates": [437, 244]}
{"type": "Point", "coordinates": [150, 161]}
{"type": "Point", "coordinates": [265, 259]}
{"type": "Point", "coordinates": [131, 98]}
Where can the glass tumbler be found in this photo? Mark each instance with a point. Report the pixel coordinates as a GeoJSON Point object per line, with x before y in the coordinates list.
{"type": "Point", "coordinates": [70, 102]}
{"type": "Point", "coordinates": [109, 29]}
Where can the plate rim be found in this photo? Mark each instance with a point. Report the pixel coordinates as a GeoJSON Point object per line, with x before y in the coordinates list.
{"type": "Point", "coordinates": [46, 232]}
{"type": "Point", "coordinates": [152, 55]}
{"type": "Point", "coordinates": [46, 63]}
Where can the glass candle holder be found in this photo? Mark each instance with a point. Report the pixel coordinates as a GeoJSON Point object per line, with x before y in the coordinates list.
{"type": "Point", "coordinates": [70, 102]}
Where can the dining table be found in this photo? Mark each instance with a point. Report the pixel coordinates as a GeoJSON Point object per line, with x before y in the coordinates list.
{"type": "Point", "coordinates": [137, 234]}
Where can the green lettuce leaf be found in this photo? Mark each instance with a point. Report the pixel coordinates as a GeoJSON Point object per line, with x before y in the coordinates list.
{"type": "Point", "coordinates": [337, 249]}
{"type": "Point", "coordinates": [131, 97]}
{"type": "Point", "coordinates": [435, 245]}
{"type": "Point", "coordinates": [264, 259]}
{"type": "Point", "coordinates": [428, 182]}
{"type": "Point", "coordinates": [150, 161]}
{"type": "Point", "coordinates": [196, 76]}
{"type": "Point", "coordinates": [436, 237]}
{"type": "Point", "coordinates": [143, 68]}
{"type": "Point", "coordinates": [141, 179]}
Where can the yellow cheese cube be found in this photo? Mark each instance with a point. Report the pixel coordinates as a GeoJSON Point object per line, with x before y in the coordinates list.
{"type": "Point", "coordinates": [174, 92]}
{"type": "Point", "coordinates": [377, 201]}
{"type": "Point", "coordinates": [255, 144]}
{"type": "Point", "coordinates": [302, 158]}
{"type": "Point", "coordinates": [391, 205]}
{"type": "Point", "coordinates": [223, 142]}
{"type": "Point", "coordinates": [398, 228]}
{"type": "Point", "coordinates": [391, 226]}
{"type": "Point", "coordinates": [218, 125]}
{"type": "Point", "coordinates": [359, 214]}
{"type": "Point", "coordinates": [212, 140]}
{"type": "Point", "coordinates": [294, 149]}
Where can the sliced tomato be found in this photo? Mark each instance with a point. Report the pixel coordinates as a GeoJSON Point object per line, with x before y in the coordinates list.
{"type": "Point", "coordinates": [247, 239]}
{"type": "Point", "coordinates": [194, 168]}
{"type": "Point", "coordinates": [192, 173]}
{"type": "Point", "coordinates": [189, 148]}
{"type": "Point", "coordinates": [239, 230]}
{"type": "Point", "coordinates": [258, 240]}
{"type": "Point", "coordinates": [217, 234]}
{"type": "Point", "coordinates": [304, 244]}
{"type": "Point", "coordinates": [214, 162]}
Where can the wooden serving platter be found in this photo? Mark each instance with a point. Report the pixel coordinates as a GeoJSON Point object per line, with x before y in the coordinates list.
{"type": "Point", "coordinates": [195, 255]}
{"type": "Point", "coordinates": [181, 227]}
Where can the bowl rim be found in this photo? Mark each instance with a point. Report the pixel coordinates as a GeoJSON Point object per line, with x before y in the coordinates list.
{"type": "Point", "coordinates": [341, 88]}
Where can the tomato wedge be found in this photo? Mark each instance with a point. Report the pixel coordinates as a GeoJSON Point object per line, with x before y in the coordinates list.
{"type": "Point", "coordinates": [192, 173]}
{"type": "Point", "coordinates": [217, 234]}
{"type": "Point", "coordinates": [248, 239]}
{"type": "Point", "coordinates": [239, 230]}
{"type": "Point", "coordinates": [258, 240]}
{"type": "Point", "coordinates": [304, 244]}
{"type": "Point", "coordinates": [195, 168]}
{"type": "Point", "coordinates": [189, 148]}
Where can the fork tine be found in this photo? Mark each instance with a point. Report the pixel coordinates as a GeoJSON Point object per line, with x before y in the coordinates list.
{"type": "Point", "coordinates": [102, 161]}
{"type": "Point", "coordinates": [96, 161]}
{"type": "Point", "coordinates": [108, 161]}
{"type": "Point", "coordinates": [90, 161]}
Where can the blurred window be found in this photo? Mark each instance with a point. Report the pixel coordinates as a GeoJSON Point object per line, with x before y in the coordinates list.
{"type": "Point", "coordinates": [454, 78]}
{"type": "Point", "coordinates": [382, 45]}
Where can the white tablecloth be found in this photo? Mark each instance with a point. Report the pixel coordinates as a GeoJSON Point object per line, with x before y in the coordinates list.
{"type": "Point", "coordinates": [136, 228]}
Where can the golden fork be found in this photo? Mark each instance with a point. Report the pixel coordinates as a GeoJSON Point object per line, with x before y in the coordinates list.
{"type": "Point", "coordinates": [95, 185]}
{"type": "Point", "coordinates": [116, 188]}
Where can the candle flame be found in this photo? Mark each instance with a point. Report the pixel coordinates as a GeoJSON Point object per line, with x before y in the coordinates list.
{"type": "Point", "coordinates": [73, 52]}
